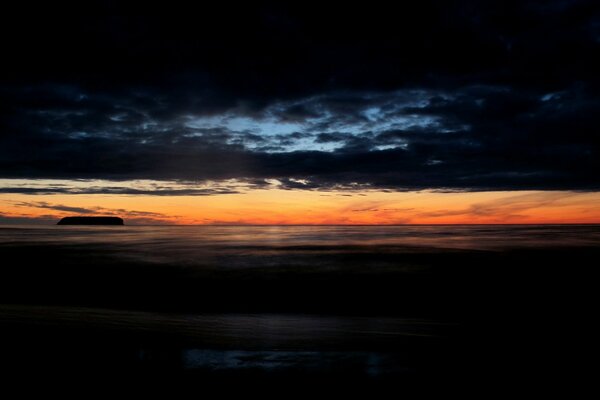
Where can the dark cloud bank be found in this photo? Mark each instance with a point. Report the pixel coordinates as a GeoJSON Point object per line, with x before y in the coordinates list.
{"type": "Point", "coordinates": [458, 95]}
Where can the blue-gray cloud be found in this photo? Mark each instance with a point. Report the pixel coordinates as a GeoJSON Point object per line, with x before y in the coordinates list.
{"type": "Point", "coordinates": [448, 96]}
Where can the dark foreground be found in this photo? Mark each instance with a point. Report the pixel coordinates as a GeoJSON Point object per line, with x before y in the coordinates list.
{"type": "Point", "coordinates": [417, 318]}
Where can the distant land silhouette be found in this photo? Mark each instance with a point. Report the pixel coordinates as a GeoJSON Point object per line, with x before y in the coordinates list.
{"type": "Point", "coordinates": [91, 221]}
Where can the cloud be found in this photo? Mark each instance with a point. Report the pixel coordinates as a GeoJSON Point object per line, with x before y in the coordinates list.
{"type": "Point", "coordinates": [128, 188]}
{"type": "Point", "coordinates": [132, 216]}
{"type": "Point", "coordinates": [26, 219]}
{"type": "Point", "coordinates": [117, 191]}
{"type": "Point", "coordinates": [508, 207]}
{"type": "Point", "coordinates": [480, 138]}
{"type": "Point", "coordinates": [458, 96]}
{"type": "Point", "coordinates": [57, 207]}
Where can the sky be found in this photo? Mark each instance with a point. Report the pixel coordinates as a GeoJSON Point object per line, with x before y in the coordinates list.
{"type": "Point", "coordinates": [437, 112]}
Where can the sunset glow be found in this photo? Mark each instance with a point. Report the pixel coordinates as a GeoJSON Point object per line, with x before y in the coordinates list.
{"type": "Point", "coordinates": [278, 206]}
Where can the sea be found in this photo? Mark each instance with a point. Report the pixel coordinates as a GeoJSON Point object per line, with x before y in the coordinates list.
{"type": "Point", "coordinates": [190, 244]}
{"type": "Point", "coordinates": [414, 304]}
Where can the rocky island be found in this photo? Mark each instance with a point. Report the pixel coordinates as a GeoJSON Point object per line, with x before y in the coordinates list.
{"type": "Point", "coordinates": [91, 221]}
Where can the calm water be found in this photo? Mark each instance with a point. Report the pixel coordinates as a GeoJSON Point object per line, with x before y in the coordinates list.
{"type": "Point", "coordinates": [192, 238]}
{"type": "Point", "coordinates": [363, 300]}
{"type": "Point", "coordinates": [318, 248]}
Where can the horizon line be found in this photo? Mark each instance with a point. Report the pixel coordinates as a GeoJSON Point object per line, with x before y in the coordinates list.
{"type": "Point", "coordinates": [409, 224]}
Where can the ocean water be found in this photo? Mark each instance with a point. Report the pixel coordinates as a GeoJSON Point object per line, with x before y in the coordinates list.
{"type": "Point", "coordinates": [196, 244]}
{"type": "Point", "coordinates": [404, 303]}
{"type": "Point", "coordinates": [360, 270]}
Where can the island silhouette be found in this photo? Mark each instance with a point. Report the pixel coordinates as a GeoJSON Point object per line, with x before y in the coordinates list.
{"type": "Point", "coordinates": [91, 221]}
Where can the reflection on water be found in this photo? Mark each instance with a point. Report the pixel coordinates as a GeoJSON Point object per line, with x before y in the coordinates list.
{"type": "Point", "coordinates": [373, 364]}
{"type": "Point", "coordinates": [186, 245]}
{"type": "Point", "coordinates": [473, 237]}
{"type": "Point", "coordinates": [445, 236]}
{"type": "Point", "coordinates": [370, 347]}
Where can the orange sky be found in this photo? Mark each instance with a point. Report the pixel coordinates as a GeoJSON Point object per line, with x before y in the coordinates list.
{"type": "Point", "coordinates": [278, 206]}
